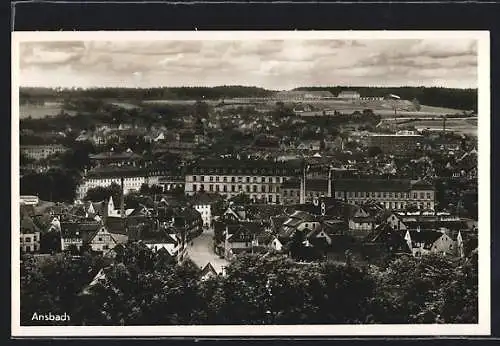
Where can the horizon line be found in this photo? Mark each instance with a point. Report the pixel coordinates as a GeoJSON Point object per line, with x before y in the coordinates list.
{"type": "Point", "coordinates": [244, 86]}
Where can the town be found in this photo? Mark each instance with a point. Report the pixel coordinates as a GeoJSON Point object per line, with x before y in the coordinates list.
{"type": "Point", "coordinates": [227, 178]}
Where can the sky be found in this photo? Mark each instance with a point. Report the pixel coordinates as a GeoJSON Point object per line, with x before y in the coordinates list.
{"type": "Point", "coordinates": [271, 64]}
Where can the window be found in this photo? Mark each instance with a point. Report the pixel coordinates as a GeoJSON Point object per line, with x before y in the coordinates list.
{"type": "Point", "coordinates": [217, 188]}
{"type": "Point", "coordinates": [421, 195]}
{"type": "Point", "coordinates": [27, 240]}
{"type": "Point", "coordinates": [34, 238]}
{"type": "Point", "coordinates": [211, 178]}
{"type": "Point", "coordinates": [210, 187]}
{"type": "Point", "coordinates": [414, 195]}
{"type": "Point", "coordinates": [99, 239]}
{"type": "Point", "coordinates": [202, 178]}
{"type": "Point", "coordinates": [224, 188]}
{"type": "Point", "coordinates": [270, 198]}
{"type": "Point", "coordinates": [224, 179]}
{"type": "Point", "coordinates": [105, 247]}
{"type": "Point", "coordinates": [217, 178]}
{"type": "Point", "coordinates": [233, 188]}
{"type": "Point", "coordinates": [270, 179]}
{"type": "Point", "coordinates": [240, 179]}
{"type": "Point", "coordinates": [247, 188]}
{"type": "Point", "coordinates": [254, 179]}
{"type": "Point", "coordinates": [285, 193]}
{"type": "Point", "coordinates": [233, 180]}
{"type": "Point", "coordinates": [248, 179]}
{"type": "Point", "coordinates": [429, 195]}
{"type": "Point", "coordinates": [263, 188]}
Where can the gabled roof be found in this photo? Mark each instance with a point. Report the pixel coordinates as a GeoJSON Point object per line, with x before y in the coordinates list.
{"type": "Point", "coordinates": [428, 237]}
{"type": "Point", "coordinates": [244, 231]}
{"type": "Point", "coordinates": [162, 236]}
{"type": "Point", "coordinates": [422, 185]}
{"type": "Point", "coordinates": [116, 225]}
{"type": "Point", "coordinates": [208, 269]}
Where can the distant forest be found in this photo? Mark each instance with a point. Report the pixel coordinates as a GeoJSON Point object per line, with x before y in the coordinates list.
{"type": "Point", "coordinates": [180, 93]}
{"type": "Point", "coordinates": [464, 99]}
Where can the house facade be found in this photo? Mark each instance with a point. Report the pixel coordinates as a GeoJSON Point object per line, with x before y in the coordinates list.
{"type": "Point", "coordinates": [30, 242]}
{"type": "Point", "coordinates": [39, 152]}
{"type": "Point", "coordinates": [261, 180]}
{"type": "Point", "coordinates": [133, 178]}
{"type": "Point", "coordinates": [392, 194]}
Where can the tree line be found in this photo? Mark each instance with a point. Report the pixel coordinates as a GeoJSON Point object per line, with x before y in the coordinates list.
{"type": "Point", "coordinates": [464, 99]}
{"type": "Point", "coordinates": [28, 95]}
{"type": "Point", "coordinates": [142, 287]}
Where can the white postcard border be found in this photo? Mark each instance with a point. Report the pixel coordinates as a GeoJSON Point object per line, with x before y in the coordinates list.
{"type": "Point", "coordinates": [482, 328]}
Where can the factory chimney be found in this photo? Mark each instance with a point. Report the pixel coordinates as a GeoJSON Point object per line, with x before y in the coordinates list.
{"type": "Point", "coordinates": [330, 181]}
{"type": "Point", "coordinates": [303, 185]}
{"type": "Point", "coordinates": [122, 198]}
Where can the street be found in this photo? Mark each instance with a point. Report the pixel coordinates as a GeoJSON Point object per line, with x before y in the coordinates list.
{"type": "Point", "coordinates": [201, 252]}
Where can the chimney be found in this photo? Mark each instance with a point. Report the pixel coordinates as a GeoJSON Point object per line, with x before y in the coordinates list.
{"type": "Point", "coordinates": [122, 199]}
{"type": "Point", "coordinates": [330, 182]}
{"type": "Point", "coordinates": [303, 188]}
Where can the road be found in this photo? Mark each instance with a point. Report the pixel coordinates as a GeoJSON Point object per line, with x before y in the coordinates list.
{"type": "Point", "coordinates": [201, 252]}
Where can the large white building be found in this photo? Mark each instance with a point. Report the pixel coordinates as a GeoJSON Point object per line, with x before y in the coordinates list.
{"type": "Point", "coordinates": [260, 180]}
{"type": "Point", "coordinates": [133, 178]}
{"type": "Point", "coordinates": [38, 152]}
{"type": "Point", "coordinates": [392, 194]}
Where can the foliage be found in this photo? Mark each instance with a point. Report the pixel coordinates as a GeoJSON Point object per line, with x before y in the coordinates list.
{"type": "Point", "coordinates": [432, 289]}
{"type": "Point", "coordinates": [100, 193]}
{"type": "Point", "coordinates": [52, 285]}
{"type": "Point", "coordinates": [57, 185]}
{"type": "Point", "coordinates": [142, 287]}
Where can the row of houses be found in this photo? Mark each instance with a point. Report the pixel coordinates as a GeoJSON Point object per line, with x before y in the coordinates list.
{"type": "Point", "coordinates": [265, 181]}
{"type": "Point", "coordinates": [100, 226]}
{"type": "Point", "coordinates": [366, 232]}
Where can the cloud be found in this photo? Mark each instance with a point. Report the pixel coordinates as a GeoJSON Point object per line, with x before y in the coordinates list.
{"type": "Point", "coordinates": [276, 64]}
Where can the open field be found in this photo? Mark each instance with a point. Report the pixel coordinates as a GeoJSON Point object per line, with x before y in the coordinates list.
{"type": "Point", "coordinates": [39, 111]}
{"type": "Point", "coordinates": [124, 105]}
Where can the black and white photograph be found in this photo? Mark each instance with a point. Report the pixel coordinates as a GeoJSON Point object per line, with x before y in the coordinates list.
{"type": "Point", "coordinates": [250, 183]}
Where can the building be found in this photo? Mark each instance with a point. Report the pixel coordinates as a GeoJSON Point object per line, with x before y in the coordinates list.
{"type": "Point", "coordinates": [397, 144]}
{"type": "Point", "coordinates": [29, 236]}
{"type": "Point", "coordinates": [297, 95]}
{"type": "Point", "coordinates": [39, 152]}
{"type": "Point", "coordinates": [202, 202]}
{"type": "Point", "coordinates": [126, 158]}
{"type": "Point", "coordinates": [261, 180]}
{"type": "Point", "coordinates": [29, 200]}
{"type": "Point", "coordinates": [133, 178]}
{"type": "Point", "coordinates": [348, 94]}
{"type": "Point", "coordinates": [95, 235]}
{"type": "Point", "coordinates": [392, 194]}
{"type": "Point", "coordinates": [428, 241]}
